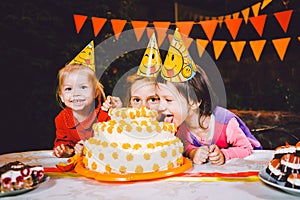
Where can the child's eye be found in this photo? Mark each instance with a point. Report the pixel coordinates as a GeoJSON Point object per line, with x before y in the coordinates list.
{"type": "Point", "coordinates": [137, 100]}
{"type": "Point", "coordinates": [84, 87]}
{"type": "Point", "coordinates": [68, 89]}
{"type": "Point", "coordinates": [153, 100]}
{"type": "Point", "coordinates": [169, 100]}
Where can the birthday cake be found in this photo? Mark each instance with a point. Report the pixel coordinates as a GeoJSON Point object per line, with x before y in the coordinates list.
{"type": "Point", "coordinates": [17, 175]}
{"type": "Point", "coordinates": [285, 165]}
{"type": "Point", "coordinates": [132, 142]}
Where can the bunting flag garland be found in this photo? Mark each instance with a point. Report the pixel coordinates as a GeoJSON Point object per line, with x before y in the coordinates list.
{"type": "Point", "coordinates": [150, 32]}
{"type": "Point", "coordinates": [218, 47]}
{"type": "Point", "coordinates": [257, 47]}
{"type": "Point", "coordinates": [232, 23]}
{"type": "Point", "coordinates": [139, 28]}
{"type": "Point", "coordinates": [118, 26]}
{"type": "Point", "coordinates": [98, 24]}
{"type": "Point", "coordinates": [265, 3]}
{"type": "Point", "coordinates": [281, 46]}
{"type": "Point", "coordinates": [209, 28]}
{"type": "Point", "coordinates": [161, 30]}
{"type": "Point", "coordinates": [79, 21]}
{"type": "Point", "coordinates": [283, 19]}
{"type": "Point", "coordinates": [258, 23]}
{"type": "Point", "coordinates": [233, 26]}
{"type": "Point", "coordinates": [255, 9]}
{"type": "Point", "coordinates": [201, 46]}
{"type": "Point", "coordinates": [245, 14]}
{"type": "Point", "coordinates": [185, 27]}
{"type": "Point", "coordinates": [238, 47]}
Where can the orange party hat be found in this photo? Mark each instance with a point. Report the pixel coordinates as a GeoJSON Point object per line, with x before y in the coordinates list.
{"type": "Point", "coordinates": [86, 57]}
{"type": "Point", "coordinates": [151, 61]}
{"type": "Point", "coordinates": [178, 65]}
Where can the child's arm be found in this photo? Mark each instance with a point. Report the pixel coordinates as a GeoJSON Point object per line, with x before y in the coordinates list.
{"type": "Point", "coordinates": [240, 145]}
{"type": "Point", "coordinates": [199, 155]}
{"type": "Point", "coordinates": [79, 147]}
{"type": "Point", "coordinates": [111, 102]}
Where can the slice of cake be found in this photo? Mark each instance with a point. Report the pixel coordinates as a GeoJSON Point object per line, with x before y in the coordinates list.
{"type": "Point", "coordinates": [17, 175]}
{"type": "Point", "coordinates": [290, 163]}
{"type": "Point", "coordinates": [297, 153]}
{"type": "Point", "coordinates": [282, 150]}
{"type": "Point", "coordinates": [293, 181]}
{"type": "Point", "coordinates": [274, 170]}
{"type": "Point", "coordinates": [133, 141]}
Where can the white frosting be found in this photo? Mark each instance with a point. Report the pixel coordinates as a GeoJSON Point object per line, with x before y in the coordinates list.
{"type": "Point", "coordinates": [138, 145]}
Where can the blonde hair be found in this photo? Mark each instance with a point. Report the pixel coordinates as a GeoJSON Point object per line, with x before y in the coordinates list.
{"type": "Point", "coordinates": [71, 68]}
{"type": "Point", "coordinates": [130, 81]}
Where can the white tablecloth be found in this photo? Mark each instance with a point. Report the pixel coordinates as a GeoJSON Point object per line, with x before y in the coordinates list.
{"type": "Point", "coordinates": [67, 185]}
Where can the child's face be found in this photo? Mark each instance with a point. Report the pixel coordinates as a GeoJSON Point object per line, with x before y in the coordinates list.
{"type": "Point", "coordinates": [173, 106]}
{"type": "Point", "coordinates": [77, 91]}
{"type": "Point", "coordinates": [144, 93]}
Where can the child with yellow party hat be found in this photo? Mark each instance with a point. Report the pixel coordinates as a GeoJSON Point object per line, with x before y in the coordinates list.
{"type": "Point", "coordinates": [208, 132]}
{"type": "Point", "coordinates": [80, 94]}
{"type": "Point", "coordinates": [141, 86]}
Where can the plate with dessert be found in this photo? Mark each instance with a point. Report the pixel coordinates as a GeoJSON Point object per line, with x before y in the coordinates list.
{"type": "Point", "coordinates": [283, 171]}
{"type": "Point", "coordinates": [17, 178]}
{"type": "Point", "coordinates": [132, 146]}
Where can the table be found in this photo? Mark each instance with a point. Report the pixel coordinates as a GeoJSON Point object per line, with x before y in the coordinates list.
{"type": "Point", "coordinates": [69, 185]}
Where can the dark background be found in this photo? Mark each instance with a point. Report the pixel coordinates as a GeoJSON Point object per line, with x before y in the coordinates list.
{"type": "Point", "coordinates": [38, 37]}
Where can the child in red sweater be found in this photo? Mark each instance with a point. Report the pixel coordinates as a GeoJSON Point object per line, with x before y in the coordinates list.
{"type": "Point", "coordinates": [80, 94]}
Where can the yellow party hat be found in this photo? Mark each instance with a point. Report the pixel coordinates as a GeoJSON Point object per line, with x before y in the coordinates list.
{"type": "Point", "coordinates": [86, 57]}
{"type": "Point", "coordinates": [178, 65]}
{"type": "Point", "coordinates": [151, 61]}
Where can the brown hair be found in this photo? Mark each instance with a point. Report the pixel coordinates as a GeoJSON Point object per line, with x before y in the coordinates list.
{"type": "Point", "coordinates": [197, 90]}
{"type": "Point", "coordinates": [130, 81]}
{"type": "Point", "coordinates": [70, 68]}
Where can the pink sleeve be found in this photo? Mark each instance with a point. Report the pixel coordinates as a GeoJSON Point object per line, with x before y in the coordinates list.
{"type": "Point", "coordinates": [240, 146]}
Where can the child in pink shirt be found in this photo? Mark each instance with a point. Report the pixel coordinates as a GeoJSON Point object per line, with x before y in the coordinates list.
{"type": "Point", "coordinates": [208, 132]}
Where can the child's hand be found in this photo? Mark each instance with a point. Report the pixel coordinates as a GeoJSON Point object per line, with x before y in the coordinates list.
{"type": "Point", "coordinates": [79, 147]}
{"type": "Point", "coordinates": [215, 155]}
{"type": "Point", "coordinates": [63, 151]}
{"type": "Point", "coordinates": [201, 155]}
{"type": "Point", "coordinates": [111, 102]}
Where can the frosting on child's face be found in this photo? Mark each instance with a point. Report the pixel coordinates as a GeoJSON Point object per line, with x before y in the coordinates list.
{"type": "Point", "coordinates": [77, 92]}
{"type": "Point", "coordinates": [144, 93]}
{"type": "Point", "coordinates": [173, 106]}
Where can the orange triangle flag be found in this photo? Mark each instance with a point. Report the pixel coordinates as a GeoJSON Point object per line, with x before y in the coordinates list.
{"type": "Point", "coordinates": [139, 28]}
{"type": "Point", "coordinates": [118, 26]}
{"type": "Point", "coordinates": [258, 23]}
{"type": "Point", "coordinates": [255, 9]}
{"type": "Point", "coordinates": [220, 19]}
{"type": "Point", "coordinates": [265, 3]}
{"type": "Point", "coordinates": [149, 32]}
{"type": "Point", "coordinates": [245, 14]}
{"type": "Point", "coordinates": [281, 46]}
{"type": "Point", "coordinates": [209, 28]}
{"type": "Point", "coordinates": [283, 19]}
{"type": "Point", "coordinates": [187, 41]}
{"type": "Point", "coordinates": [218, 47]}
{"type": "Point", "coordinates": [238, 48]}
{"type": "Point", "coordinates": [257, 47]}
{"type": "Point", "coordinates": [161, 30]}
{"type": "Point", "coordinates": [79, 21]}
{"type": "Point", "coordinates": [233, 26]}
{"type": "Point", "coordinates": [185, 27]}
{"type": "Point", "coordinates": [201, 45]}
{"type": "Point", "coordinates": [235, 15]}
{"type": "Point", "coordinates": [98, 24]}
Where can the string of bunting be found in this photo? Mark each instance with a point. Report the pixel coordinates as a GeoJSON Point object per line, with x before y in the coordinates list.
{"type": "Point", "coordinates": [209, 27]}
